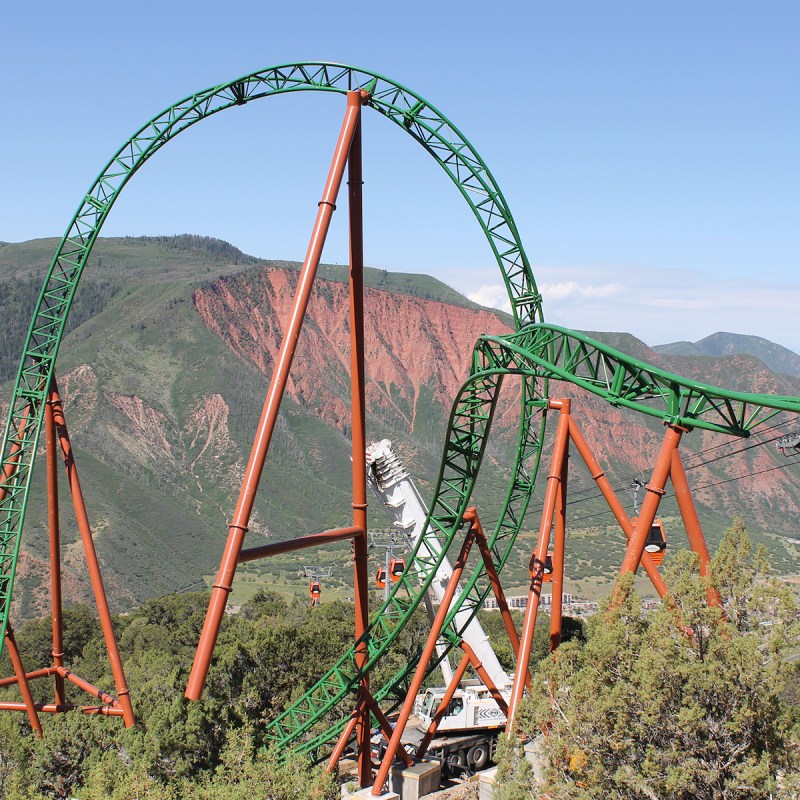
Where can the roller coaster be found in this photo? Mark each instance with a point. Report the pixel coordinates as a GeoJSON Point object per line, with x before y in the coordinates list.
{"type": "Point", "coordinates": [335, 716]}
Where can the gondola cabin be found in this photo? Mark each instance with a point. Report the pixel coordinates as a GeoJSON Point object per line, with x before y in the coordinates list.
{"type": "Point", "coordinates": [380, 578]}
{"type": "Point", "coordinates": [656, 544]}
{"type": "Point", "coordinates": [547, 571]}
{"type": "Point", "coordinates": [315, 590]}
{"type": "Point", "coordinates": [396, 568]}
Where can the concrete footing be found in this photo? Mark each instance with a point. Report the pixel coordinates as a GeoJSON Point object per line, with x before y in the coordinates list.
{"type": "Point", "coordinates": [415, 781]}
{"type": "Point", "coordinates": [405, 783]}
{"type": "Point", "coordinates": [486, 784]}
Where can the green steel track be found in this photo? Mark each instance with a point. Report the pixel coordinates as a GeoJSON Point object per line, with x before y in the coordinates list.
{"type": "Point", "coordinates": [536, 352]}
{"type": "Point", "coordinates": [437, 135]}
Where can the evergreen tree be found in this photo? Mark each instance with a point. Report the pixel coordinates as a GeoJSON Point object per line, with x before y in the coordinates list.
{"type": "Point", "coordinates": [687, 702]}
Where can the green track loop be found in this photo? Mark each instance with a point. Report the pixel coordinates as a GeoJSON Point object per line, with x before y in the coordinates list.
{"type": "Point", "coordinates": [537, 352]}
{"type": "Point", "coordinates": [437, 135]}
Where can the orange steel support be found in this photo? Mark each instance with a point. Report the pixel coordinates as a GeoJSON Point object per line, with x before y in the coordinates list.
{"type": "Point", "coordinates": [422, 748]}
{"type": "Point", "coordinates": [383, 722]}
{"type": "Point", "coordinates": [289, 546]}
{"type": "Point", "coordinates": [55, 551]}
{"type": "Point", "coordinates": [497, 589]}
{"type": "Point", "coordinates": [341, 742]}
{"type": "Point", "coordinates": [469, 657]}
{"type": "Point", "coordinates": [386, 728]}
{"type": "Point", "coordinates": [37, 673]}
{"type": "Point", "coordinates": [56, 434]}
{"type": "Point", "coordinates": [599, 477]}
{"type": "Point", "coordinates": [560, 448]}
{"type": "Point", "coordinates": [655, 491]}
{"type": "Point", "coordinates": [123, 693]}
{"type": "Point", "coordinates": [13, 457]}
{"type": "Point", "coordinates": [88, 688]}
{"type": "Point", "coordinates": [477, 665]}
{"type": "Point", "coordinates": [269, 414]}
{"type": "Point", "coordinates": [22, 679]}
{"type": "Point", "coordinates": [427, 654]}
{"type": "Point", "coordinates": [52, 708]}
{"type": "Point", "coordinates": [359, 440]}
{"type": "Point", "coordinates": [558, 556]}
{"type": "Point", "coordinates": [691, 522]}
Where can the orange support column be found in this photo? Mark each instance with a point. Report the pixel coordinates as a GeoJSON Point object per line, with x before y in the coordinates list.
{"type": "Point", "coordinates": [497, 589]}
{"type": "Point", "coordinates": [344, 736]}
{"type": "Point", "coordinates": [557, 585]}
{"type": "Point", "coordinates": [553, 481]}
{"type": "Point", "coordinates": [269, 414]}
{"type": "Point", "coordinates": [123, 693]}
{"type": "Point", "coordinates": [359, 440]}
{"type": "Point", "coordinates": [55, 551]}
{"type": "Point", "coordinates": [599, 477]}
{"type": "Point", "coordinates": [477, 665]}
{"type": "Point", "coordinates": [655, 491]}
{"type": "Point", "coordinates": [22, 680]}
{"type": "Point", "coordinates": [422, 748]}
{"type": "Point", "coordinates": [427, 654]}
{"type": "Point", "coordinates": [691, 522]}
{"type": "Point", "coordinates": [16, 449]}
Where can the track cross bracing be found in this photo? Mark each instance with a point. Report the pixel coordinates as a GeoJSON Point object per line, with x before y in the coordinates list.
{"type": "Point", "coordinates": [536, 352]}
{"type": "Point", "coordinates": [438, 136]}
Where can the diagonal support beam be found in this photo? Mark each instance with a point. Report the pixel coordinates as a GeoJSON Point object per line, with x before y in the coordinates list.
{"type": "Point", "coordinates": [82, 518]}
{"type": "Point", "coordinates": [269, 414]}
{"type": "Point", "coordinates": [427, 654]}
{"type": "Point", "coordinates": [655, 491]}
{"type": "Point", "coordinates": [560, 450]}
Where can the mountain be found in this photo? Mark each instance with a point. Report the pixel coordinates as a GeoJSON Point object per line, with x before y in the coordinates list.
{"type": "Point", "coordinates": [164, 372]}
{"type": "Point", "coordinates": [776, 357]}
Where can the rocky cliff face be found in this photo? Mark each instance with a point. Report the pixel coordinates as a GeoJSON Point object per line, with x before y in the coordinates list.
{"type": "Point", "coordinates": [162, 394]}
{"type": "Point", "coordinates": [418, 349]}
{"type": "Point", "coordinates": [415, 349]}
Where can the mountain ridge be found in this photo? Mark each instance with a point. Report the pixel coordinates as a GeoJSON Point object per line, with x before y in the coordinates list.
{"type": "Point", "coordinates": [723, 343]}
{"type": "Point", "coordinates": [165, 371]}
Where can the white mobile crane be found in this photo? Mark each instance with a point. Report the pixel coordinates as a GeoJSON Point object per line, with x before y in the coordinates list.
{"type": "Point", "coordinates": [467, 735]}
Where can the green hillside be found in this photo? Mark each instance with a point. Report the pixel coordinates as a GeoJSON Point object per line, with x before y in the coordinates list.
{"type": "Point", "coordinates": [159, 525]}
{"type": "Point", "coordinates": [162, 412]}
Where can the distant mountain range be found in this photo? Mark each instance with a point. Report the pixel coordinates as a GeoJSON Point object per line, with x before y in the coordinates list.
{"type": "Point", "coordinates": [776, 357]}
{"type": "Point", "coordinates": [164, 370]}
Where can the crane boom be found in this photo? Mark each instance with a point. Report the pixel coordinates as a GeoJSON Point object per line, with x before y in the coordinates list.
{"type": "Point", "coordinates": [390, 482]}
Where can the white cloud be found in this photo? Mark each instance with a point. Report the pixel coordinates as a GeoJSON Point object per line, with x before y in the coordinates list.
{"type": "Point", "coordinates": [657, 305]}
{"type": "Point", "coordinates": [570, 289]}
{"type": "Point", "coordinates": [492, 296]}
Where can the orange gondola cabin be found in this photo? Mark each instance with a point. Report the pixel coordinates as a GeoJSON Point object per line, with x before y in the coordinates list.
{"type": "Point", "coordinates": [315, 590]}
{"type": "Point", "coordinates": [547, 571]}
{"type": "Point", "coordinates": [396, 569]}
{"type": "Point", "coordinates": [656, 544]}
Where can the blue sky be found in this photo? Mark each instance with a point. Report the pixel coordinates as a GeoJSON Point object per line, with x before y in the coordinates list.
{"type": "Point", "coordinates": [649, 152]}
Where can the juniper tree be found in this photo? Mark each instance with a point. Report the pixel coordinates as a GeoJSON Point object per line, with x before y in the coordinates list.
{"type": "Point", "coordinates": [684, 702]}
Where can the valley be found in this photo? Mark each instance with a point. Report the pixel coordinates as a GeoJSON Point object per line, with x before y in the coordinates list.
{"type": "Point", "coordinates": [164, 370]}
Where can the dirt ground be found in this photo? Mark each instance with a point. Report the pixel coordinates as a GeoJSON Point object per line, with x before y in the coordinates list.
{"type": "Point", "coordinates": [463, 791]}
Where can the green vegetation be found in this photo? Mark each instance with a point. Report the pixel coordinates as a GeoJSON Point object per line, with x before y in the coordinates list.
{"type": "Point", "coordinates": [135, 367]}
{"type": "Point", "coordinates": [687, 703]}
{"type": "Point", "coordinates": [636, 706]}
{"type": "Point", "coordinates": [17, 299]}
{"type": "Point", "coordinates": [265, 656]}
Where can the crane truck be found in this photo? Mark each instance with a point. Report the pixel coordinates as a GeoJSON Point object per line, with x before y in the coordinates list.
{"type": "Point", "coordinates": [466, 739]}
